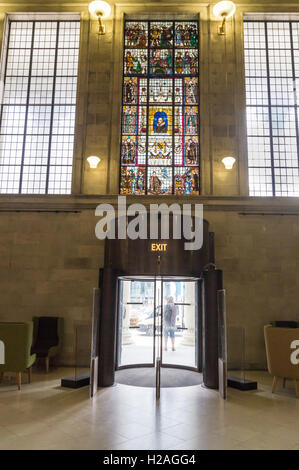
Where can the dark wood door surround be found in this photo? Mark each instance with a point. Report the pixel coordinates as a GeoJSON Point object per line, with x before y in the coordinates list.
{"type": "Point", "coordinates": [135, 258]}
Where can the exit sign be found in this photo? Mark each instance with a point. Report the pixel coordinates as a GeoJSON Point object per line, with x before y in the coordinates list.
{"type": "Point", "coordinates": [159, 247]}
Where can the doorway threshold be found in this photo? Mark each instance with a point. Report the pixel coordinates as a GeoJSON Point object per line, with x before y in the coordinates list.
{"type": "Point", "coordinates": [146, 377]}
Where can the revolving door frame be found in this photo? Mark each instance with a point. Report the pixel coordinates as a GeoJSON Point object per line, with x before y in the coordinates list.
{"type": "Point", "coordinates": [198, 320]}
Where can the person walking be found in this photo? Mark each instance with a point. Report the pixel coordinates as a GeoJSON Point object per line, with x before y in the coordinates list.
{"type": "Point", "coordinates": [169, 321]}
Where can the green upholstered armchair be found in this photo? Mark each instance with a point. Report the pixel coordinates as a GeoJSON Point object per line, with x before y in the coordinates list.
{"type": "Point", "coordinates": [17, 339]}
{"type": "Point", "coordinates": [48, 333]}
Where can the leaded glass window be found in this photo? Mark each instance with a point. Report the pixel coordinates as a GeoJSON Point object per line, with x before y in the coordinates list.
{"type": "Point", "coordinates": [160, 112]}
{"type": "Point", "coordinates": [272, 94]}
{"type": "Point", "coordinates": [38, 107]}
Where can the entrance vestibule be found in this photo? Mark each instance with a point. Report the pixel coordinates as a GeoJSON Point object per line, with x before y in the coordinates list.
{"type": "Point", "coordinates": [159, 307]}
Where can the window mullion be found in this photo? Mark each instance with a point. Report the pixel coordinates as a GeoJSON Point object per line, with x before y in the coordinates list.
{"type": "Point", "coordinates": [147, 109]}
{"type": "Point", "coordinates": [294, 89]}
{"type": "Point", "coordinates": [4, 78]}
{"type": "Point", "coordinates": [27, 108]}
{"type": "Point", "coordinates": [270, 110]}
{"type": "Point", "coordinates": [52, 108]}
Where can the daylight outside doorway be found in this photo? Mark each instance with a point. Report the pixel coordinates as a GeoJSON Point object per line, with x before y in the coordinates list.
{"type": "Point", "coordinates": [158, 317]}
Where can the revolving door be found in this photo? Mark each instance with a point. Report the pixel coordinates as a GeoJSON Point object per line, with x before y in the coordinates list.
{"type": "Point", "coordinates": [147, 296]}
{"type": "Point", "coordinates": [158, 317]}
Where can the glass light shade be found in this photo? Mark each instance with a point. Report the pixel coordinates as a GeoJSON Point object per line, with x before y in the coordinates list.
{"type": "Point", "coordinates": [98, 7]}
{"type": "Point", "coordinates": [93, 161]}
{"type": "Point", "coordinates": [224, 9]}
{"type": "Point", "coordinates": [228, 162]}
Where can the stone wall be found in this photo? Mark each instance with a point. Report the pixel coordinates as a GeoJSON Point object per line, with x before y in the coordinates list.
{"type": "Point", "coordinates": [259, 256]}
{"type": "Point", "coordinates": [49, 265]}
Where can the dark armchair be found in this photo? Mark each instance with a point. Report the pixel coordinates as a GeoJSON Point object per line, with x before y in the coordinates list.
{"type": "Point", "coordinates": [48, 332]}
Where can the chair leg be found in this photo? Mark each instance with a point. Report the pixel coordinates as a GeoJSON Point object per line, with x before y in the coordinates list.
{"type": "Point", "coordinates": [47, 364]}
{"type": "Point", "coordinates": [274, 383]}
{"type": "Point", "coordinates": [284, 380]}
{"type": "Point", "coordinates": [1, 376]}
{"type": "Point", "coordinates": [29, 370]}
{"type": "Point", "coordinates": [19, 380]}
{"type": "Point", "coordinates": [297, 388]}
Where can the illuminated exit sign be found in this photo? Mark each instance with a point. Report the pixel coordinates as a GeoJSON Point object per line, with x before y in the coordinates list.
{"type": "Point", "coordinates": [159, 247]}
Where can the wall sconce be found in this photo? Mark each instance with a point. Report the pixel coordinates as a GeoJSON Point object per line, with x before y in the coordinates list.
{"type": "Point", "coordinates": [228, 162]}
{"type": "Point", "coordinates": [93, 161]}
{"type": "Point", "coordinates": [99, 10]}
{"type": "Point", "coordinates": [224, 10]}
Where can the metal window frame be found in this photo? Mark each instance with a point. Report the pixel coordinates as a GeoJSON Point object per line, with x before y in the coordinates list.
{"type": "Point", "coordinates": [52, 105]}
{"type": "Point", "coordinates": [269, 104]}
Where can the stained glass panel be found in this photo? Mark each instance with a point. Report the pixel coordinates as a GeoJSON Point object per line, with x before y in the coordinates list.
{"type": "Point", "coordinates": [186, 180]}
{"type": "Point", "coordinates": [160, 151]}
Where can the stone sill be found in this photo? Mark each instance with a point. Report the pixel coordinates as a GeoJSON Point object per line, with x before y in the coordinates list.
{"type": "Point", "coordinates": [78, 203]}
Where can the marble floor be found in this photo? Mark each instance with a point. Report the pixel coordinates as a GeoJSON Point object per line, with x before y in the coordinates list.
{"type": "Point", "coordinates": [45, 416]}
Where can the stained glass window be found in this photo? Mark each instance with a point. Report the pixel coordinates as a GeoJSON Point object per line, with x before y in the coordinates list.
{"type": "Point", "coordinates": [37, 112]}
{"type": "Point", "coordinates": [160, 111]}
{"type": "Point", "coordinates": [272, 77]}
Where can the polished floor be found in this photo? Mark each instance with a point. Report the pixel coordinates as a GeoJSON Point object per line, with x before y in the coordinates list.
{"type": "Point", "coordinates": [45, 416]}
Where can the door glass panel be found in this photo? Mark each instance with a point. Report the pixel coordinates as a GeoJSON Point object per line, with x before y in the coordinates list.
{"type": "Point", "coordinates": [158, 313]}
{"type": "Point", "coordinates": [136, 322]}
{"type": "Point", "coordinates": [180, 323]}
